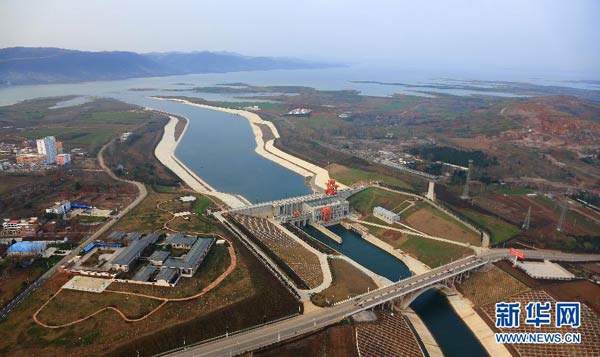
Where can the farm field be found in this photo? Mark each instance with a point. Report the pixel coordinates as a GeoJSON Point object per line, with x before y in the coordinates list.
{"type": "Point", "coordinates": [87, 126]}
{"type": "Point", "coordinates": [590, 325]}
{"type": "Point", "coordinates": [351, 176]}
{"type": "Point", "coordinates": [545, 213]}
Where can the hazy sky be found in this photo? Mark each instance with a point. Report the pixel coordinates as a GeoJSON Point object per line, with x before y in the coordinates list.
{"type": "Point", "coordinates": [558, 34]}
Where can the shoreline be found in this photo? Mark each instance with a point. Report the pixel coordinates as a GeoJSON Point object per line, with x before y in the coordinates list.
{"type": "Point", "coordinates": [318, 176]}
{"type": "Point", "coordinates": [165, 153]}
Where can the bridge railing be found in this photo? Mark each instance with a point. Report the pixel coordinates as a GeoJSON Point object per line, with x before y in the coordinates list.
{"type": "Point", "coordinates": [400, 281]}
{"type": "Point", "coordinates": [226, 335]}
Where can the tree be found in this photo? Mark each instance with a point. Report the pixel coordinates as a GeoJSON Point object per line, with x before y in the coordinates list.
{"type": "Point", "coordinates": [77, 186]}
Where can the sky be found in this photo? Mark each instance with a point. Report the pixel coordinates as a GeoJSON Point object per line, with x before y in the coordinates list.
{"type": "Point", "coordinates": [551, 34]}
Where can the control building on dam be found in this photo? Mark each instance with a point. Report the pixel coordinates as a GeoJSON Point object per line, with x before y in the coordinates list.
{"type": "Point", "coordinates": [317, 209]}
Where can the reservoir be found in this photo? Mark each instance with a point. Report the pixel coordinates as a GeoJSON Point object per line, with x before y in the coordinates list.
{"type": "Point", "coordinates": [451, 333]}
{"type": "Point", "coordinates": [219, 148]}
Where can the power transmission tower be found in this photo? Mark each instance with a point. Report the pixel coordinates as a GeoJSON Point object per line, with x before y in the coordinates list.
{"type": "Point", "coordinates": [563, 212]}
{"type": "Point", "coordinates": [465, 194]}
{"type": "Point", "coordinates": [527, 221]}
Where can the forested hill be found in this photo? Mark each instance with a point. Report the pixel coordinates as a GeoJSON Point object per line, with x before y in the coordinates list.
{"type": "Point", "coordinates": [32, 65]}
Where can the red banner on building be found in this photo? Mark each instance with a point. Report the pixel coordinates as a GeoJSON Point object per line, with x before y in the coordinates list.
{"type": "Point", "coordinates": [516, 253]}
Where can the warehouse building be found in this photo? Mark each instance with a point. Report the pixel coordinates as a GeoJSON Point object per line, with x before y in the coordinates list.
{"type": "Point", "coordinates": [385, 215]}
{"type": "Point", "coordinates": [26, 249]}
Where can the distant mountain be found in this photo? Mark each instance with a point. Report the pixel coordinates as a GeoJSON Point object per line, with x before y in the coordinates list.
{"type": "Point", "coordinates": [32, 65]}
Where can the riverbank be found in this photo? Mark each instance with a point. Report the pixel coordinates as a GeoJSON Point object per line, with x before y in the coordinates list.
{"type": "Point", "coordinates": [464, 309]}
{"type": "Point", "coordinates": [318, 176]}
{"type": "Point", "coordinates": [165, 153]}
{"type": "Point", "coordinates": [423, 333]}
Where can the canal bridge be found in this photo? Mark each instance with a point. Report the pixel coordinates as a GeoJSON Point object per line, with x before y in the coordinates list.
{"type": "Point", "coordinates": [398, 294]}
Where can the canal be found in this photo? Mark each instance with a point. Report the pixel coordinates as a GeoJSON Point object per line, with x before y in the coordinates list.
{"type": "Point", "coordinates": [451, 333]}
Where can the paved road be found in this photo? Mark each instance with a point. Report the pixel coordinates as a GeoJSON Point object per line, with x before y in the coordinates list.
{"type": "Point", "coordinates": [279, 331]}
{"type": "Point", "coordinates": [142, 193]}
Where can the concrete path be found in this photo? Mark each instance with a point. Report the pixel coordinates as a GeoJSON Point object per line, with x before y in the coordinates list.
{"type": "Point", "coordinates": [164, 301]}
{"type": "Point", "coordinates": [415, 234]}
{"type": "Point", "coordinates": [325, 270]}
{"type": "Point", "coordinates": [483, 332]}
{"type": "Point", "coordinates": [486, 237]}
{"type": "Point", "coordinates": [326, 232]}
{"type": "Point", "coordinates": [423, 333]}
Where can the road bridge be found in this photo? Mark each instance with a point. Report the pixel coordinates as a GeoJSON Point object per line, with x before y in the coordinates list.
{"type": "Point", "coordinates": [404, 290]}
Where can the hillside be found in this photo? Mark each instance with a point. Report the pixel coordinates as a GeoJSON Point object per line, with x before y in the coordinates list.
{"type": "Point", "coordinates": [26, 65]}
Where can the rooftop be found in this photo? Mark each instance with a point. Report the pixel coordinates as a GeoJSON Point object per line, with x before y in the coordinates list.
{"type": "Point", "coordinates": [159, 255]}
{"type": "Point", "coordinates": [129, 254]}
{"type": "Point", "coordinates": [117, 235]}
{"type": "Point", "coordinates": [145, 273]}
{"type": "Point", "coordinates": [26, 247]}
{"type": "Point", "coordinates": [166, 274]}
{"type": "Point", "coordinates": [325, 201]}
{"type": "Point", "coordinates": [178, 239]}
{"type": "Point", "coordinates": [133, 236]}
{"type": "Point", "coordinates": [152, 237]}
{"type": "Point", "coordinates": [193, 257]}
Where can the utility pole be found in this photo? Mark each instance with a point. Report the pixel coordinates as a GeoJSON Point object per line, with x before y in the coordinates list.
{"type": "Point", "coordinates": [527, 221]}
{"type": "Point", "coordinates": [465, 194]}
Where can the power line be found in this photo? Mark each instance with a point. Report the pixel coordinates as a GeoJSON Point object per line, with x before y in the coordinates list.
{"type": "Point", "coordinates": [527, 221]}
{"type": "Point", "coordinates": [563, 212]}
{"type": "Point", "coordinates": [465, 194]}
